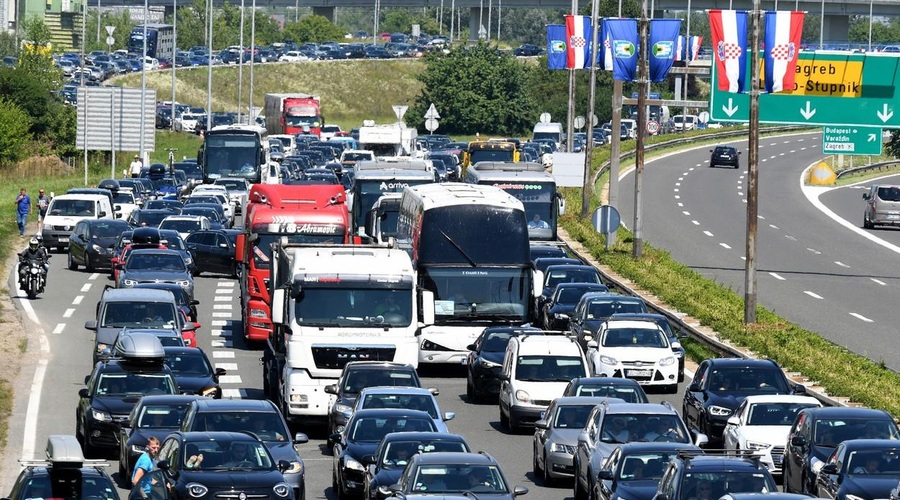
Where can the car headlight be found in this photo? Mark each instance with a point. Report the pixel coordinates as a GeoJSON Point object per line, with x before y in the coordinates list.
{"type": "Point", "coordinates": [127, 282]}
{"type": "Point", "coordinates": [562, 448]}
{"type": "Point", "coordinates": [757, 445]}
{"type": "Point", "coordinates": [667, 361]}
{"type": "Point", "coordinates": [282, 490]}
{"type": "Point", "coordinates": [560, 316]}
{"type": "Point", "coordinates": [183, 283]}
{"type": "Point", "coordinates": [522, 396]}
{"type": "Point", "coordinates": [102, 347]}
{"type": "Point", "coordinates": [487, 364]}
{"type": "Point", "coordinates": [354, 465]}
{"type": "Point", "coordinates": [296, 467]}
{"type": "Point", "coordinates": [719, 411]}
{"type": "Point", "coordinates": [608, 360]}
{"type": "Point", "coordinates": [188, 260]}
{"type": "Point", "coordinates": [101, 416]}
{"type": "Point", "coordinates": [209, 392]}
{"type": "Point", "coordinates": [96, 248]}
{"type": "Point", "coordinates": [340, 408]}
{"type": "Point", "coordinates": [136, 448]}
{"type": "Point", "coordinates": [197, 490]}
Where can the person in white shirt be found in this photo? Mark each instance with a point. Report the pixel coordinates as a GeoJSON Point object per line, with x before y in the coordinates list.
{"type": "Point", "coordinates": [135, 168]}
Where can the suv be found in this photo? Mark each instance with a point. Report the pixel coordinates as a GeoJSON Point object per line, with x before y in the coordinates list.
{"type": "Point", "coordinates": [882, 206]}
{"type": "Point", "coordinates": [485, 360]}
{"type": "Point", "coordinates": [135, 308]}
{"type": "Point", "coordinates": [612, 424]}
{"type": "Point", "coordinates": [115, 386]}
{"type": "Point", "coordinates": [691, 472]}
{"type": "Point", "coordinates": [724, 155]}
{"type": "Point", "coordinates": [356, 376]}
{"type": "Point", "coordinates": [259, 418]}
{"type": "Point", "coordinates": [634, 349]}
{"type": "Point", "coordinates": [720, 386]}
{"type": "Point", "coordinates": [64, 474]}
{"type": "Point", "coordinates": [536, 369]}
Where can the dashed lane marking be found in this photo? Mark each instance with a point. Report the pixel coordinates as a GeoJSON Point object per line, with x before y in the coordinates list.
{"type": "Point", "coordinates": [86, 287]}
{"type": "Point", "coordinates": [222, 306]}
{"type": "Point", "coordinates": [77, 300]}
{"type": "Point", "coordinates": [223, 354]}
{"type": "Point", "coordinates": [695, 222]}
{"type": "Point", "coordinates": [860, 316]}
{"type": "Point", "coordinates": [813, 250]}
{"type": "Point", "coordinates": [221, 315]}
{"type": "Point", "coordinates": [725, 246]}
{"type": "Point", "coordinates": [222, 298]}
{"type": "Point", "coordinates": [812, 294]}
{"type": "Point", "coordinates": [227, 366]}
{"type": "Point", "coordinates": [882, 283]}
{"type": "Point", "coordinates": [218, 322]}
{"type": "Point", "coordinates": [841, 264]}
{"type": "Point", "coordinates": [59, 328]}
{"type": "Point", "coordinates": [230, 379]}
{"type": "Point", "coordinates": [777, 276]}
{"type": "Point", "coordinates": [68, 313]}
{"type": "Point", "coordinates": [708, 233]}
{"type": "Point", "coordinates": [94, 276]}
{"type": "Point", "coordinates": [223, 291]}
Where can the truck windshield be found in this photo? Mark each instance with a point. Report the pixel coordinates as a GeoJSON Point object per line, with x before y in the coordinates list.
{"type": "Point", "coordinates": [361, 307]}
{"type": "Point", "coordinates": [465, 293]}
{"type": "Point", "coordinates": [299, 121]}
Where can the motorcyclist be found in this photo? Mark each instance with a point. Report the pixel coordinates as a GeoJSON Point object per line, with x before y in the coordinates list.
{"type": "Point", "coordinates": [35, 251]}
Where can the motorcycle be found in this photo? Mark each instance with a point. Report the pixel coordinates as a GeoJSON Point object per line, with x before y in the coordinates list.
{"type": "Point", "coordinates": [32, 277]}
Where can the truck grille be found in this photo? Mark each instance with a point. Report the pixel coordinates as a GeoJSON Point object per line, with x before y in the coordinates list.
{"type": "Point", "coordinates": [335, 357]}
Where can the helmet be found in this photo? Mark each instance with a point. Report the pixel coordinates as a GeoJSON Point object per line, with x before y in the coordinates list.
{"type": "Point", "coordinates": [33, 244]}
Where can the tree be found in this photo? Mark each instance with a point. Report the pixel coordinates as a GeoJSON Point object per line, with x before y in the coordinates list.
{"type": "Point", "coordinates": [14, 134]}
{"type": "Point", "coordinates": [121, 20]}
{"type": "Point", "coordinates": [312, 29]}
{"type": "Point", "coordinates": [476, 89]}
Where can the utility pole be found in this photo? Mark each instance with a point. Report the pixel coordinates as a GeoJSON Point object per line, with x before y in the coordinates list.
{"type": "Point", "coordinates": [241, 66]}
{"type": "Point", "coordinates": [587, 189]}
{"type": "Point", "coordinates": [752, 172]}
{"type": "Point", "coordinates": [637, 250]}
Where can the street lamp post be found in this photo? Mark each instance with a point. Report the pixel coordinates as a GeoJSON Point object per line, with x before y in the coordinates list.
{"type": "Point", "coordinates": [175, 43]}
{"type": "Point", "coordinates": [143, 78]}
{"type": "Point", "coordinates": [240, 99]}
{"type": "Point", "coordinates": [252, 57]}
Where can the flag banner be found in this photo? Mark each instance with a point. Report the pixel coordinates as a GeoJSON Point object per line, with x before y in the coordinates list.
{"type": "Point", "coordinates": [694, 47]}
{"type": "Point", "coordinates": [623, 40]}
{"type": "Point", "coordinates": [728, 29]}
{"type": "Point", "coordinates": [688, 51]}
{"type": "Point", "coordinates": [783, 33]}
{"type": "Point", "coordinates": [605, 58]}
{"type": "Point", "coordinates": [556, 46]}
{"type": "Point", "coordinates": [578, 40]}
{"type": "Point", "coordinates": [663, 36]}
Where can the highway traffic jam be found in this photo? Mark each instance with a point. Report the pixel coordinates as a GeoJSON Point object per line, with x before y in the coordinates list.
{"type": "Point", "coordinates": [358, 270]}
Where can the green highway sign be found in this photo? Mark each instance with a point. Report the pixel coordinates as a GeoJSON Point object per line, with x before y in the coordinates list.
{"type": "Point", "coordinates": [850, 140]}
{"type": "Point", "coordinates": [831, 88]}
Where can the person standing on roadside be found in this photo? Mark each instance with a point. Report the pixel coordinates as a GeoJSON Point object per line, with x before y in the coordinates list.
{"type": "Point", "coordinates": [23, 208]}
{"type": "Point", "coordinates": [43, 202]}
{"type": "Point", "coordinates": [145, 464]}
{"type": "Point", "coordinates": [135, 167]}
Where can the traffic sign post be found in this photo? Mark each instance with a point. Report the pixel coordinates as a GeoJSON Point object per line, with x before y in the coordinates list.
{"type": "Point", "coordinates": [830, 89]}
{"type": "Point", "coordinates": [580, 122]}
{"type": "Point", "coordinates": [652, 127]}
{"type": "Point", "coordinates": [851, 140]}
{"type": "Point", "coordinates": [606, 221]}
{"type": "Point", "coordinates": [431, 124]}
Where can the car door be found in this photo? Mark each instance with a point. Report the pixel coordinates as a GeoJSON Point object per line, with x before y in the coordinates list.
{"type": "Point", "coordinates": [731, 434]}
{"type": "Point", "coordinates": [586, 443]}
{"type": "Point", "coordinates": [795, 453]}
{"type": "Point", "coordinates": [693, 398]}
{"type": "Point", "coordinates": [78, 242]}
{"type": "Point", "coordinates": [540, 435]}
{"type": "Point", "coordinates": [195, 246]}
{"type": "Point", "coordinates": [827, 485]}
{"type": "Point", "coordinates": [606, 487]}
{"type": "Point", "coordinates": [223, 252]}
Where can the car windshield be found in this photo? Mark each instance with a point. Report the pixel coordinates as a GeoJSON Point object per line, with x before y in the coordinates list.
{"type": "Point", "coordinates": [128, 383]}
{"type": "Point", "coordinates": [496, 342]}
{"type": "Point", "coordinates": [634, 337]}
{"type": "Point", "coordinates": [643, 466]}
{"type": "Point", "coordinates": [105, 231]}
{"type": "Point", "coordinates": [267, 426]}
{"type": "Point", "coordinates": [549, 368]}
{"type": "Point", "coordinates": [160, 416]}
{"type": "Point", "coordinates": [606, 308]}
{"type": "Point", "coordinates": [629, 394]}
{"type": "Point", "coordinates": [123, 197]}
{"type": "Point", "coordinates": [830, 432]}
{"type": "Point", "coordinates": [630, 427]}
{"type": "Point", "coordinates": [72, 208]}
{"type": "Point", "coordinates": [181, 225]}
{"type": "Point", "coordinates": [419, 402]}
{"type": "Point", "coordinates": [748, 380]}
{"type": "Point", "coordinates": [189, 364]}
{"type": "Point", "coordinates": [373, 429]}
{"type": "Point", "coordinates": [775, 413]}
{"type": "Point", "coordinates": [397, 453]}
{"type": "Point", "coordinates": [885, 462]}
{"type": "Point", "coordinates": [571, 276]}
{"type": "Point", "coordinates": [69, 484]}
{"type": "Point", "coordinates": [452, 478]}
{"type": "Point", "coordinates": [571, 416]}
{"type": "Point", "coordinates": [138, 314]}
{"type": "Point", "coordinates": [722, 151]}
{"type": "Point", "coordinates": [715, 484]}
{"type": "Point", "coordinates": [151, 219]}
{"type": "Point", "coordinates": [357, 380]}
{"type": "Point", "coordinates": [224, 455]}
{"type": "Point", "coordinates": [155, 261]}
{"type": "Point", "coordinates": [571, 295]}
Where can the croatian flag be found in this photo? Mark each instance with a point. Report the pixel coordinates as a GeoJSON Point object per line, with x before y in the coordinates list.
{"type": "Point", "coordinates": [605, 58]}
{"type": "Point", "coordinates": [783, 33]}
{"type": "Point", "coordinates": [691, 52]}
{"type": "Point", "coordinates": [728, 29]}
{"type": "Point", "coordinates": [578, 41]}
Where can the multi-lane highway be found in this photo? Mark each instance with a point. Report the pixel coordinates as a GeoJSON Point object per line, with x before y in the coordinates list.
{"type": "Point", "coordinates": [813, 270]}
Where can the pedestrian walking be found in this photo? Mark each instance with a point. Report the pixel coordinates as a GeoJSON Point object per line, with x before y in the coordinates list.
{"type": "Point", "coordinates": [23, 208]}
{"type": "Point", "coordinates": [43, 202]}
{"type": "Point", "coordinates": [136, 166]}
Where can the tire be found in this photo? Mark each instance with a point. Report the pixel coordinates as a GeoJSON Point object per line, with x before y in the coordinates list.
{"type": "Point", "coordinates": [70, 263]}
{"type": "Point", "coordinates": [579, 493]}
{"type": "Point", "coordinates": [236, 271]}
{"type": "Point", "coordinates": [504, 421]}
{"type": "Point", "coordinates": [87, 264]}
{"type": "Point", "coordinates": [545, 475]}
{"type": "Point", "coordinates": [535, 469]}
{"type": "Point", "coordinates": [867, 224]}
{"type": "Point", "coordinates": [470, 389]}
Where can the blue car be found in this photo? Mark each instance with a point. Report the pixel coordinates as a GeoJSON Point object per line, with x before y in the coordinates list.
{"type": "Point", "coordinates": [385, 467]}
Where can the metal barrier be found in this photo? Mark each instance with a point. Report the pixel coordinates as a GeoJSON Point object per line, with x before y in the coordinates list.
{"type": "Point", "coordinates": [867, 168]}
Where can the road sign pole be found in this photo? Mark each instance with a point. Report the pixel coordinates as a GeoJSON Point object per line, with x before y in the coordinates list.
{"type": "Point", "coordinates": [587, 189]}
{"type": "Point", "coordinates": [753, 173]}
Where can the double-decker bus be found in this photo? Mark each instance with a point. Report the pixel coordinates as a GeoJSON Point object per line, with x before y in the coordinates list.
{"type": "Point", "coordinates": [469, 246]}
{"type": "Point", "coordinates": [532, 185]}
{"type": "Point", "coordinates": [232, 151]}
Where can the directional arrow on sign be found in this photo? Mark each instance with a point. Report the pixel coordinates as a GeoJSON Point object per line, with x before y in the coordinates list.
{"type": "Point", "coordinates": [807, 113]}
{"type": "Point", "coordinates": [731, 109]}
{"type": "Point", "coordinates": [871, 138]}
{"type": "Point", "coordinates": [885, 115]}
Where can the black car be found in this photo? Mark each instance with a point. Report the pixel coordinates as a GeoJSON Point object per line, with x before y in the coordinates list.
{"type": "Point", "coordinates": [213, 251]}
{"type": "Point", "coordinates": [625, 389]}
{"type": "Point", "coordinates": [216, 218]}
{"type": "Point", "coordinates": [485, 360]}
{"type": "Point", "coordinates": [173, 206]}
{"type": "Point", "coordinates": [543, 251]}
{"type": "Point", "coordinates": [93, 242]}
{"type": "Point", "coordinates": [541, 263]}
{"type": "Point", "coordinates": [559, 306]}
{"type": "Point", "coordinates": [818, 431]}
{"type": "Point", "coordinates": [596, 307]}
{"type": "Point", "coordinates": [65, 474]}
{"type": "Point", "coordinates": [356, 376]}
{"type": "Point", "coordinates": [360, 437]}
{"type": "Point", "coordinates": [152, 416]}
{"type": "Point", "coordinates": [721, 384]}
{"type": "Point", "coordinates": [692, 474]}
{"type": "Point", "coordinates": [528, 49]}
{"type": "Point", "coordinates": [263, 420]}
{"type": "Point", "coordinates": [565, 273]}
{"type": "Point", "coordinates": [662, 322]}
{"type": "Point", "coordinates": [157, 266]}
{"type": "Point", "coordinates": [724, 155]}
{"type": "Point", "coordinates": [115, 386]}
{"type": "Point", "coordinates": [454, 475]}
{"type": "Point", "coordinates": [147, 217]}
{"type": "Point", "coordinates": [633, 470]}
{"type": "Point", "coordinates": [385, 467]}
{"type": "Point", "coordinates": [860, 468]}
{"type": "Point", "coordinates": [193, 371]}
{"type": "Point", "coordinates": [234, 465]}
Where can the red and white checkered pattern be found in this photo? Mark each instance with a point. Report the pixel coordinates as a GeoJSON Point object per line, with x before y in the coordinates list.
{"type": "Point", "coordinates": [730, 51]}
{"type": "Point", "coordinates": [578, 42]}
{"type": "Point", "coordinates": [782, 52]}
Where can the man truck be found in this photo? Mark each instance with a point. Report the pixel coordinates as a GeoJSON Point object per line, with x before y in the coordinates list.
{"type": "Point", "coordinates": [293, 114]}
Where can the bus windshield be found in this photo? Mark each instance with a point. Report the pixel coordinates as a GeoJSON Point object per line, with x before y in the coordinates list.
{"type": "Point", "coordinates": [367, 191]}
{"type": "Point", "coordinates": [232, 156]}
{"type": "Point", "coordinates": [467, 294]}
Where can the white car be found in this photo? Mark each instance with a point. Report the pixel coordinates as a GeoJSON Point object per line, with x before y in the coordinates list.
{"type": "Point", "coordinates": [185, 224]}
{"type": "Point", "coordinates": [237, 189]}
{"type": "Point", "coordinates": [220, 195]}
{"type": "Point", "coordinates": [150, 63]}
{"type": "Point", "coordinates": [124, 202]}
{"type": "Point", "coordinates": [328, 131]}
{"type": "Point", "coordinates": [294, 56]}
{"type": "Point", "coordinates": [187, 122]}
{"type": "Point", "coordinates": [638, 350]}
{"type": "Point", "coordinates": [762, 423]}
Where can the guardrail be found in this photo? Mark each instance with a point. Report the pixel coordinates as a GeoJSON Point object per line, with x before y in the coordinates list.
{"type": "Point", "coordinates": [867, 168]}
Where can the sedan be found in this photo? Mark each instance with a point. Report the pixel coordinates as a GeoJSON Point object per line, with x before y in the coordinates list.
{"type": "Point", "coordinates": [193, 371]}
{"type": "Point", "coordinates": [633, 470]}
{"type": "Point", "coordinates": [92, 243]}
{"type": "Point", "coordinates": [406, 398]}
{"type": "Point", "coordinates": [452, 475]}
{"type": "Point", "coordinates": [213, 251]}
{"type": "Point", "coordinates": [153, 416]}
{"type": "Point", "coordinates": [558, 308]}
{"type": "Point", "coordinates": [385, 467]}
{"type": "Point", "coordinates": [860, 468]}
{"type": "Point", "coordinates": [160, 266]}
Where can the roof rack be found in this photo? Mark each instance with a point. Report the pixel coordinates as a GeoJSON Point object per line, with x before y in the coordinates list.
{"type": "Point", "coordinates": [63, 452]}
{"type": "Point", "coordinates": [754, 455]}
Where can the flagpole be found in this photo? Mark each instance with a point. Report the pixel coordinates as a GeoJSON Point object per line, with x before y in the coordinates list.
{"type": "Point", "coordinates": [570, 116]}
{"type": "Point", "coordinates": [587, 189]}
{"type": "Point", "coordinates": [637, 248]}
{"type": "Point", "coordinates": [752, 172]}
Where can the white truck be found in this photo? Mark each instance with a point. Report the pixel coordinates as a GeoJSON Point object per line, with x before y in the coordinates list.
{"type": "Point", "coordinates": [388, 140]}
{"type": "Point", "coordinates": [331, 305]}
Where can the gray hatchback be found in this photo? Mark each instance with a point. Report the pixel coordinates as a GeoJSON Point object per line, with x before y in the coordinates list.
{"type": "Point", "coordinates": [882, 206]}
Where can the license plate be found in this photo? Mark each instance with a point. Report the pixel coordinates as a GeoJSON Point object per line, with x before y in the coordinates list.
{"type": "Point", "coordinates": [893, 216]}
{"type": "Point", "coordinates": [638, 373]}
{"type": "Point", "coordinates": [63, 240]}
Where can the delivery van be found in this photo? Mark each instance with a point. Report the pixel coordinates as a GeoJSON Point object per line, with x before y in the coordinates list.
{"type": "Point", "coordinates": [66, 210]}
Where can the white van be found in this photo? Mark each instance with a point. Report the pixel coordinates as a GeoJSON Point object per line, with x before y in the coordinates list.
{"type": "Point", "coordinates": [631, 125]}
{"type": "Point", "coordinates": [67, 209]}
{"type": "Point", "coordinates": [551, 130]}
{"type": "Point", "coordinates": [536, 370]}
{"type": "Point", "coordinates": [685, 122]}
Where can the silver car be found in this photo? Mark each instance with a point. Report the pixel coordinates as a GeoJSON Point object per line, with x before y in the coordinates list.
{"type": "Point", "coordinates": [556, 435]}
{"type": "Point", "coordinates": [882, 206]}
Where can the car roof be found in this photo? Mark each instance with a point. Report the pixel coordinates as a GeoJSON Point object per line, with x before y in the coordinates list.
{"type": "Point", "coordinates": [194, 436]}
{"type": "Point", "coordinates": [129, 294]}
{"type": "Point", "coordinates": [699, 463]}
{"type": "Point", "coordinates": [629, 323]}
{"type": "Point", "coordinates": [451, 458]}
{"type": "Point", "coordinates": [845, 412]}
{"type": "Point", "coordinates": [396, 390]}
{"type": "Point", "coordinates": [642, 446]}
{"type": "Point", "coordinates": [422, 436]}
{"type": "Point", "coordinates": [871, 444]}
{"type": "Point", "coordinates": [629, 408]}
{"type": "Point", "coordinates": [570, 267]}
{"type": "Point", "coordinates": [604, 380]}
{"type": "Point", "coordinates": [389, 413]}
{"type": "Point", "coordinates": [584, 400]}
{"type": "Point", "coordinates": [742, 362]}
{"type": "Point", "coordinates": [780, 398]}
{"type": "Point", "coordinates": [204, 405]}
{"type": "Point", "coordinates": [167, 399]}
{"type": "Point", "coordinates": [593, 296]}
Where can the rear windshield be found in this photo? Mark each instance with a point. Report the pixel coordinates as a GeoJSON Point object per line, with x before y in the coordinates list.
{"type": "Point", "coordinates": [889, 193]}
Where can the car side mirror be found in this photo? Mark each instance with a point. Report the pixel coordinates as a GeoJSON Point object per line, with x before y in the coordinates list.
{"type": "Point", "coordinates": [605, 475]}
{"type": "Point", "coordinates": [449, 415]}
{"type": "Point", "coordinates": [334, 438]}
{"type": "Point", "coordinates": [300, 438]}
{"type": "Point", "coordinates": [799, 389]}
{"type": "Point", "coordinates": [798, 441]}
{"type": "Point", "coordinates": [592, 344]}
{"type": "Point", "coordinates": [503, 376]}
{"type": "Point", "coordinates": [661, 496]}
{"type": "Point", "coordinates": [434, 391]}
{"type": "Point", "coordinates": [541, 424]}
{"type": "Point", "coordinates": [368, 459]}
{"type": "Point", "coordinates": [219, 372]}
{"type": "Point", "coordinates": [331, 389]}
{"type": "Point", "coordinates": [865, 196]}
{"type": "Point", "coordinates": [470, 347]}
{"type": "Point", "coordinates": [163, 465]}
{"type": "Point", "coordinates": [734, 420]}
{"type": "Point", "coordinates": [90, 325]}
{"type": "Point", "coordinates": [519, 491]}
{"type": "Point", "coordinates": [828, 469]}
{"type": "Point", "coordinates": [694, 387]}
{"type": "Point", "coordinates": [188, 327]}
{"type": "Point", "coordinates": [195, 302]}
{"type": "Point", "coordinates": [701, 440]}
{"type": "Point", "coordinates": [83, 393]}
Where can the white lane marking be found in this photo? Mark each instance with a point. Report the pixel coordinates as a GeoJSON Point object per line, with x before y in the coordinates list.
{"type": "Point", "coordinates": [685, 212]}
{"type": "Point", "coordinates": [218, 322]}
{"type": "Point", "coordinates": [68, 313]}
{"type": "Point", "coordinates": [220, 333]}
{"type": "Point", "coordinates": [882, 283]}
{"type": "Point", "coordinates": [86, 287]}
{"type": "Point", "coordinates": [221, 343]}
{"type": "Point", "coordinates": [220, 298]}
{"type": "Point", "coordinates": [773, 144]}
{"type": "Point", "coordinates": [94, 276]}
{"type": "Point", "coordinates": [708, 233]}
{"type": "Point", "coordinates": [677, 197]}
{"type": "Point", "coordinates": [725, 246]}
{"type": "Point", "coordinates": [740, 193]}
{"type": "Point", "coordinates": [676, 190]}
{"type": "Point", "coordinates": [790, 237]}
{"type": "Point", "coordinates": [34, 410]}
{"type": "Point", "coordinates": [773, 226]}
{"type": "Point", "coordinates": [760, 217]}
{"type": "Point", "coordinates": [230, 379]}
{"type": "Point", "coordinates": [800, 140]}
{"type": "Point", "coordinates": [236, 394]}
{"type": "Point", "coordinates": [812, 294]}
{"type": "Point", "coordinates": [222, 306]}
{"type": "Point", "coordinates": [763, 159]}
{"type": "Point", "coordinates": [681, 178]}
{"type": "Point", "coordinates": [680, 204]}
{"type": "Point", "coordinates": [780, 154]}
{"type": "Point", "coordinates": [803, 148]}
{"type": "Point", "coordinates": [223, 291]}
{"type": "Point", "coordinates": [221, 315]}
{"type": "Point", "coordinates": [813, 250]}
{"type": "Point", "coordinates": [860, 316]}
{"type": "Point", "coordinates": [793, 151]}
{"type": "Point", "coordinates": [841, 264]}
{"type": "Point", "coordinates": [777, 276]}
{"type": "Point", "coordinates": [696, 223]}
{"type": "Point", "coordinates": [223, 354]}
{"type": "Point", "coordinates": [59, 328]}
{"type": "Point", "coordinates": [77, 300]}
{"type": "Point", "coordinates": [26, 304]}
{"type": "Point", "coordinates": [692, 169]}
{"type": "Point", "coordinates": [677, 183]}
{"type": "Point", "coordinates": [227, 366]}
{"type": "Point", "coordinates": [226, 284]}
